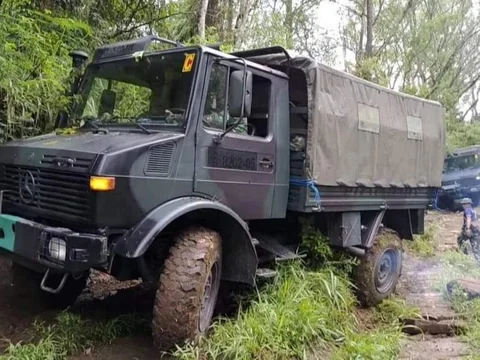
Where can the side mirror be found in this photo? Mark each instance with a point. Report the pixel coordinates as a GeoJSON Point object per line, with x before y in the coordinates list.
{"type": "Point", "coordinates": [107, 102]}
{"type": "Point", "coordinates": [238, 94]}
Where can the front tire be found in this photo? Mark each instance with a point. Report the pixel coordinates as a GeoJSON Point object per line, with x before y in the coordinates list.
{"type": "Point", "coordinates": [379, 270]}
{"type": "Point", "coordinates": [188, 288]}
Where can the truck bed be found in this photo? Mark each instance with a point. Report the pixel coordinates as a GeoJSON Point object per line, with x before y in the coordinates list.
{"type": "Point", "coordinates": [302, 198]}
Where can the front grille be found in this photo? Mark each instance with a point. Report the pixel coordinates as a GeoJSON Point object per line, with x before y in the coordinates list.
{"type": "Point", "coordinates": [48, 193]}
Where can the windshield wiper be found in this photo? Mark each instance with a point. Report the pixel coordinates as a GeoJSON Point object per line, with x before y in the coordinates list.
{"type": "Point", "coordinates": [91, 122]}
{"type": "Point", "coordinates": [140, 126]}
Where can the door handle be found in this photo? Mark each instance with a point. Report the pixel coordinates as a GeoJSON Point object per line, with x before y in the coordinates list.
{"type": "Point", "coordinates": [266, 163]}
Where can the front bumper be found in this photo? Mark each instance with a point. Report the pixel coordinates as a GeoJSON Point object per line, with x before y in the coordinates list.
{"type": "Point", "coordinates": [56, 248]}
{"type": "Point", "coordinates": [456, 192]}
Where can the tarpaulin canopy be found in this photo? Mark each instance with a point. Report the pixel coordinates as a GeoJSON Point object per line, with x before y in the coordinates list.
{"type": "Point", "coordinates": [362, 134]}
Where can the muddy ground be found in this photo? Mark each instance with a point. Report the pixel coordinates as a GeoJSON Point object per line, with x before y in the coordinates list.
{"type": "Point", "coordinates": [107, 298]}
{"type": "Point", "coordinates": [419, 286]}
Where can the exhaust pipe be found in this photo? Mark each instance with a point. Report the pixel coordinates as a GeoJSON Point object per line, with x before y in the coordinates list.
{"type": "Point", "coordinates": [356, 251]}
{"type": "Point", "coordinates": [79, 58]}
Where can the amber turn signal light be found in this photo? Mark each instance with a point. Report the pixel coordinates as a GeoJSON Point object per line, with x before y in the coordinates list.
{"type": "Point", "coordinates": [101, 183]}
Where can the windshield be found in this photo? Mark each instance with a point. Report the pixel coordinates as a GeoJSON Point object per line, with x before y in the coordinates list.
{"type": "Point", "coordinates": [458, 163]}
{"type": "Point", "coordinates": [152, 91]}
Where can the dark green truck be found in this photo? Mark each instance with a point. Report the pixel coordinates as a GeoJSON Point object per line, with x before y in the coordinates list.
{"type": "Point", "coordinates": [148, 186]}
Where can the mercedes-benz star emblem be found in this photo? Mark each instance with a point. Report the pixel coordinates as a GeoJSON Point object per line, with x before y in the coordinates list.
{"type": "Point", "coordinates": [27, 187]}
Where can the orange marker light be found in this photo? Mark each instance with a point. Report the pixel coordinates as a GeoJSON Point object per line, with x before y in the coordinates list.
{"type": "Point", "coordinates": [101, 183]}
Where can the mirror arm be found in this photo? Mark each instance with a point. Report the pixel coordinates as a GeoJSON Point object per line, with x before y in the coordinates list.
{"type": "Point", "coordinates": [218, 139]}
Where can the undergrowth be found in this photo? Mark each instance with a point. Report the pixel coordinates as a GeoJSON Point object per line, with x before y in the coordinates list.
{"type": "Point", "coordinates": [425, 245]}
{"type": "Point", "coordinates": [70, 334]}
{"type": "Point", "coordinates": [308, 311]}
{"type": "Point", "coordinates": [457, 266]}
{"type": "Point", "coordinates": [469, 310]}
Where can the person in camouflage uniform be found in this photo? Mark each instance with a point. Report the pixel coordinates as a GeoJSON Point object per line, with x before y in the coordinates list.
{"type": "Point", "coordinates": [470, 230]}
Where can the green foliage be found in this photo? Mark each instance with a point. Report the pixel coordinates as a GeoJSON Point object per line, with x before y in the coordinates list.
{"type": "Point", "coordinates": [321, 254]}
{"type": "Point", "coordinates": [382, 343]}
{"type": "Point", "coordinates": [469, 310]}
{"type": "Point", "coordinates": [392, 310]}
{"type": "Point", "coordinates": [305, 314]}
{"type": "Point", "coordinates": [461, 134]}
{"type": "Point", "coordinates": [300, 309]}
{"type": "Point", "coordinates": [383, 340]}
{"type": "Point", "coordinates": [455, 266]}
{"type": "Point", "coordinates": [424, 245]}
{"type": "Point", "coordinates": [69, 334]}
{"type": "Point", "coordinates": [34, 68]}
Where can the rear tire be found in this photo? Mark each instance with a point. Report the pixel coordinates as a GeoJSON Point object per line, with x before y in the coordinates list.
{"type": "Point", "coordinates": [27, 282]}
{"type": "Point", "coordinates": [188, 288]}
{"type": "Point", "coordinates": [379, 270]}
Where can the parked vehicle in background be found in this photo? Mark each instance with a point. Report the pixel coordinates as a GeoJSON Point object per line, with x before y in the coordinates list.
{"type": "Point", "coordinates": [461, 179]}
{"type": "Point", "coordinates": [193, 167]}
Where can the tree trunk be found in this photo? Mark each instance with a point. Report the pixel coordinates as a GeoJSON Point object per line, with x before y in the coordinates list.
{"type": "Point", "coordinates": [229, 35]}
{"type": "Point", "coordinates": [202, 14]}
{"type": "Point", "coordinates": [289, 24]}
{"type": "Point", "coordinates": [370, 16]}
{"type": "Point", "coordinates": [213, 14]}
{"type": "Point", "coordinates": [360, 49]}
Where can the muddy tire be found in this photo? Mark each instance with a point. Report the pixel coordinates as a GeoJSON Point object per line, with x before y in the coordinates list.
{"type": "Point", "coordinates": [378, 272]}
{"type": "Point", "coordinates": [188, 288]}
{"type": "Point", "coordinates": [27, 282]}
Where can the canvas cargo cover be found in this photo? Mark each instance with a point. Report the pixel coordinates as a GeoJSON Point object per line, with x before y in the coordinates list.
{"type": "Point", "coordinates": [362, 134]}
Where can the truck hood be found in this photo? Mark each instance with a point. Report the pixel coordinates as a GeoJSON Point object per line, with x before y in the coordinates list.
{"type": "Point", "coordinates": [461, 174]}
{"type": "Point", "coordinates": [88, 142]}
{"type": "Point", "coordinates": [75, 151]}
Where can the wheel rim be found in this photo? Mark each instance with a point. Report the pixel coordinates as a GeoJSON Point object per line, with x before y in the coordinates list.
{"type": "Point", "coordinates": [209, 298]}
{"type": "Point", "coordinates": [385, 271]}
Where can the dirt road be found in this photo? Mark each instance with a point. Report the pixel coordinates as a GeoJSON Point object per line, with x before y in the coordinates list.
{"type": "Point", "coordinates": [418, 285]}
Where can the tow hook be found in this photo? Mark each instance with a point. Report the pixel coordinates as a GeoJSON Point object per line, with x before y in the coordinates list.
{"type": "Point", "coordinates": [49, 289]}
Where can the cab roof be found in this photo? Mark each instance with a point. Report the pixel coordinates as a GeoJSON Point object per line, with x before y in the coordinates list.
{"type": "Point", "coordinates": [137, 47]}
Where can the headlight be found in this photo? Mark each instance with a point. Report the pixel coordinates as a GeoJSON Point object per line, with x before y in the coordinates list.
{"type": "Point", "coordinates": [57, 249]}
{"type": "Point", "coordinates": [478, 177]}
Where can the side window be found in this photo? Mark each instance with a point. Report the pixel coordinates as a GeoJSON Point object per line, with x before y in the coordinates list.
{"type": "Point", "coordinates": [216, 115]}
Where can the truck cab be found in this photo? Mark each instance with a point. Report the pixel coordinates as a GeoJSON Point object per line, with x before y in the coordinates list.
{"type": "Point", "coordinates": [461, 178]}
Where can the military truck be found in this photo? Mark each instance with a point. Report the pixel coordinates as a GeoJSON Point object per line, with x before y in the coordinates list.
{"type": "Point", "coordinates": [154, 177]}
{"type": "Point", "coordinates": [461, 178]}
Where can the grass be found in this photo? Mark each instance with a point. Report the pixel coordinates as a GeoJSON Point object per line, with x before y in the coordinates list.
{"type": "Point", "coordinates": [469, 310]}
{"type": "Point", "coordinates": [308, 311]}
{"type": "Point", "coordinates": [70, 334]}
{"type": "Point", "coordinates": [456, 266]}
{"type": "Point", "coordinates": [425, 245]}
{"type": "Point", "coordinates": [298, 309]}
{"type": "Point", "coordinates": [302, 314]}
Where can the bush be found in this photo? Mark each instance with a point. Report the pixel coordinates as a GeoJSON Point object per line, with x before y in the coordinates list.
{"type": "Point", "coordinates": [34, 68]}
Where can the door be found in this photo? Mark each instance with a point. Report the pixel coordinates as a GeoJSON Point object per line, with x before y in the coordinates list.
{"type": "Point", "coordinates": [239, 170]}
